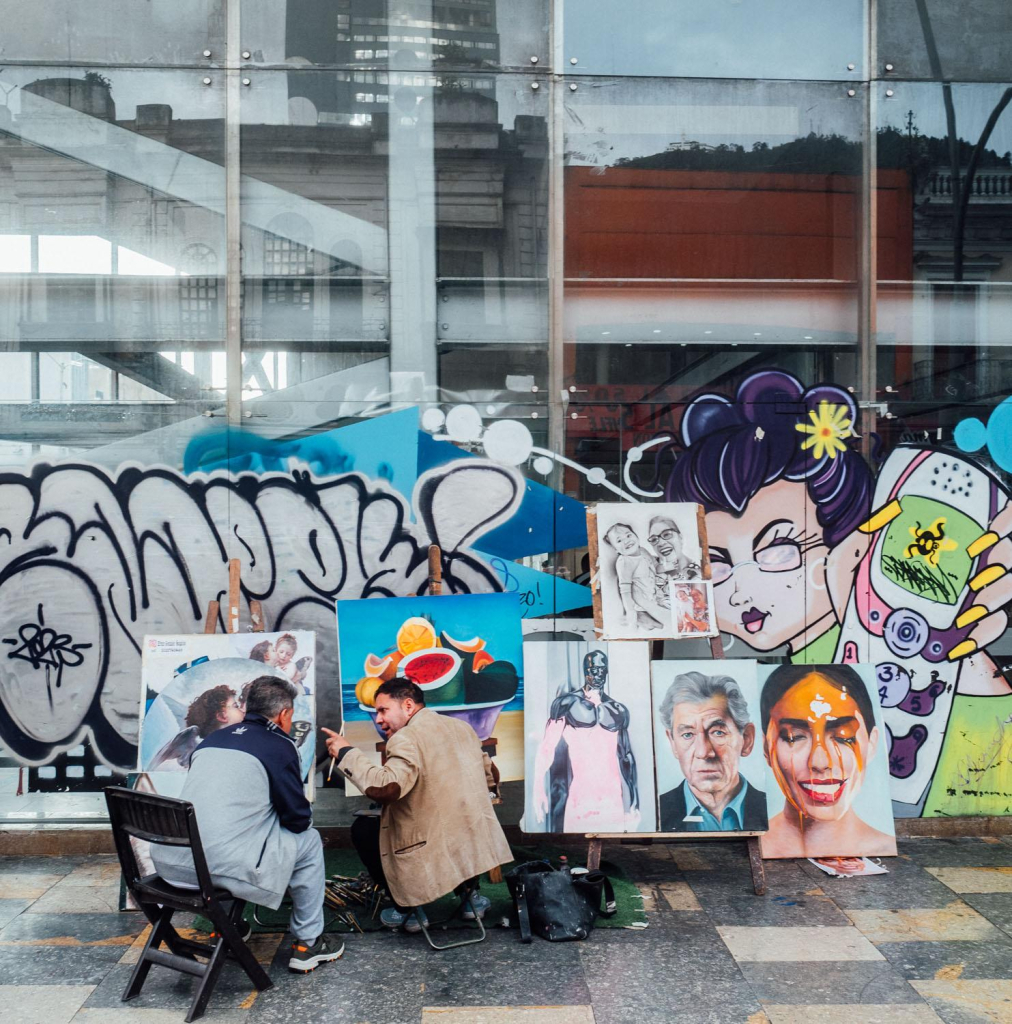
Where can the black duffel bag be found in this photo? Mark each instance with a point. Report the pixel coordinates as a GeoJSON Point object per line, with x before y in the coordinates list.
{"type": "Point", "coordinates": [556, 905]}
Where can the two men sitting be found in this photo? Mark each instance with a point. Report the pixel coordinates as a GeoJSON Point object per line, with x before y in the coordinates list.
{"type": "Point", "coordinates": [436, 829]}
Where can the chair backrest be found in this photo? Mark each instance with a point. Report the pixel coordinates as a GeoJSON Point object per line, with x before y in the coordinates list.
{"type": "Point", "coordinates": [154, 819]}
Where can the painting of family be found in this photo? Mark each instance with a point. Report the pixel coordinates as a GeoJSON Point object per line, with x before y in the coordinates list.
{"type": "Point", "coordinates": [642, 551]}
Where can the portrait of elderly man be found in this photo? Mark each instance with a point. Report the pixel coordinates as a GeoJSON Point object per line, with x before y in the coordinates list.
{"type": "Point", "coordinates": [706, 721]}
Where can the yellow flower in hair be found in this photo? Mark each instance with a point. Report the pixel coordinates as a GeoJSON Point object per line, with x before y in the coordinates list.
{"type": "Point", "coordinates": [828, 429]}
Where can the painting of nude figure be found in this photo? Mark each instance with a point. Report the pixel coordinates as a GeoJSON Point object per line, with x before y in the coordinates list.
{"type": "Point", "coordinates": [588, 739]}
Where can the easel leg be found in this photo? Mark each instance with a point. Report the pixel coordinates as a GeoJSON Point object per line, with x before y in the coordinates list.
{"type": "Point", "coordinates": [755, 859]}
{"type": "Point", "coordinates": [594, 855]}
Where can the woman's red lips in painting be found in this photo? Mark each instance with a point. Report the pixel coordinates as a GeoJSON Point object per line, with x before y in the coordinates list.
{"type": "Point", "coordinates": [753, 619]}
{"type": "Point", "coordinates": [823, 791]}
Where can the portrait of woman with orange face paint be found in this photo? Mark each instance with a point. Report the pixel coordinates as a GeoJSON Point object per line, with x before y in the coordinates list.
{"type": "Point", "coordinates": [824, 750]}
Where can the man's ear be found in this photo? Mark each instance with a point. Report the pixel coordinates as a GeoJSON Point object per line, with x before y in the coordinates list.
{"type": "Point", "coordinates": [747, 740]}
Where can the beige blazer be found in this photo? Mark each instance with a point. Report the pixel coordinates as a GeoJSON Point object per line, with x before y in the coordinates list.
{"type": "Point", "coordinates": [438, 827]}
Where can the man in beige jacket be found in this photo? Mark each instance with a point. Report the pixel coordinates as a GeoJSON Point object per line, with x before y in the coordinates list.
{"type": "Point", "coordinates": [437, 831]}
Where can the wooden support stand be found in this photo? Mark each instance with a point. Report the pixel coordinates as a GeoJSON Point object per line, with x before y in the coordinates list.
{"type": "Point", "coordinates": [657, 653]}
{"type": "Point", "coordinates": [230, 622]}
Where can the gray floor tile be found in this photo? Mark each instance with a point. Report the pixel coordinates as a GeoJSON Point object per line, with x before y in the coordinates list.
{"type": "Point", "coordinates": [39, 865]}
{"type": "Point", "coordinates": [845, 982]}
{"type": "Point", "coordinates": [958, 853]}
{"type": "Point", "coordinates": [506, 972]}
{"type": "Point", "coordinates": [907, 886]}
{"type": "Point", "coordinates": [785, 911]}
{"type": "Point", "coordinates": [82, 928]}
{"type": "Point", "coordinates": [32, 1004]}
{"type": "Point", "coordinates": [57, 965]}
{"type": "Point", "coordinates": [995, 906]}
{"type": "Point", "coordinates": [9, 909]}
{"type": "Point", "coordinates": [969, 960]}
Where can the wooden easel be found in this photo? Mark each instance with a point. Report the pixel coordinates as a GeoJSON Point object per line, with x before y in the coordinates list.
{"type": "Point", "coordinates": [231, 621]}
{"type": "Point", "coordinates": [596, 839]}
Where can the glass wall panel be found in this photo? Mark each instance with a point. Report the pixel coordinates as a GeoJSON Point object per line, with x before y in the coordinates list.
{"type": "Point", "coordinates": [393, 226]}
{"type": "Point", "coordinates": [711, 227]}
{"type": "Point", "coordinates": [944, 242]}
{"type": "Point", "coordinates": [966, 41]}
{"type": "Point", "coordinates": [108, 32]}
{"type": "Point", "coordinates": [113, 251]}
{"type": "Point", "coordinates": [792, 39]}
{"type": "Point", "coordinates": [476, 35]}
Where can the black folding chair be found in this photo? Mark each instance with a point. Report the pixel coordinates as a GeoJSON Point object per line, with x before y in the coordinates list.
{"type": "Point", "coordinates": [161, 819]}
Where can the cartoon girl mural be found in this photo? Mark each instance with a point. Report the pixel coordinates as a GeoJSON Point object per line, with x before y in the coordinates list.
{"type": "Point", "coordinates": [798, 536]}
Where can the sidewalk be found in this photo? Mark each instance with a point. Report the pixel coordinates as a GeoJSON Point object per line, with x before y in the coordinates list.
{"type": "Point", "coordinates": [931, 941]}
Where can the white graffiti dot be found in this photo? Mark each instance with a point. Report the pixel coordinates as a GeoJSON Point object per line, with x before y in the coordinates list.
{"type": "Point", "coordinates": [508, 441]}
{"type": "Point", "coordinates": [634, 454]}
{"type": "Point", "coordinates": [820, 706]}
{"type": "Point", "coordinates": [432, 420]}
{"type": "Point", "coordinates": [596, 475]}
{"type": "Point", "coordinates": [543, 465]}
{"type": "Point", "coordinates": [463, 423]}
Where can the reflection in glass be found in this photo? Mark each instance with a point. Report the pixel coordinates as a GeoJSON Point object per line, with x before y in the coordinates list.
{"type": "Point", "coordinates": [477, 35]}
{"type": "Point", "coordinates": [375, 239]}
{"type": "Point", "coordinates": [708, 225]}
{"type": "Point", "coordinates": [937, 39]}
{"type": "Point", "coordinates": [944, 238]}
{"type": "Point", "coordinates": [111, 249]}
{"type": "Point", "coordinates": [794, 39]}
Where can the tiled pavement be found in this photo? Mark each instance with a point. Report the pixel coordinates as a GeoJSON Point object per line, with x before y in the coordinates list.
{"type": "Point", "coordinates": [931, 941]}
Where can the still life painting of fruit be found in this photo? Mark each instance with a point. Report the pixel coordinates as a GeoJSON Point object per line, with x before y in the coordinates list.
{"type": "Point", "coordinates": [464, 652]}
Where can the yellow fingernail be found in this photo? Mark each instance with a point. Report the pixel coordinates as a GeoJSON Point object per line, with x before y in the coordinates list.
{"type": "Point", "coordinates": [881, 518]}
{"type": "Point", "coordinates": [962, 650]}
{"type": "Point", "coordinates": [988, 575]}
{"type": "Point", "coordinates": [982, 543]}
{"type": "Point", "coordinates": [971, 615]}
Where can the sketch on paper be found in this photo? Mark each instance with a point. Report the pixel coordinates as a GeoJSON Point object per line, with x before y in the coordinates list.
{"type": "Point", "coordinates": [641, 549]}
{"type": "Point", "coordinates": [711, 775]}
{"type": "Point", "coordinates": [589, 747]}
{"type": "Point", "coordinates": [826, 754]}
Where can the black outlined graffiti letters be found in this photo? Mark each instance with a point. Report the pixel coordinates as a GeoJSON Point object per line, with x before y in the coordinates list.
{"type": "Point", "coordinates": [101, 559]}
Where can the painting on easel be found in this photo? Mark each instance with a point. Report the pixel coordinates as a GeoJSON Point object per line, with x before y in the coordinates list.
{"type": "Point", "coordinates": [195, 684]}
{"type": "Point", "coordinates": [590, 755]}
{"type": "Point", "coordinates": [464, 651]}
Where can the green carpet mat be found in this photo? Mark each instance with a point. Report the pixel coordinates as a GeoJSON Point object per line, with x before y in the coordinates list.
{"type": "Point", "coordinates": [628, 900]}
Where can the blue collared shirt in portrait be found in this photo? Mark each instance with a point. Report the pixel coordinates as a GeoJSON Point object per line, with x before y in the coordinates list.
{"type": "Point", "coordinates": [730, 821]}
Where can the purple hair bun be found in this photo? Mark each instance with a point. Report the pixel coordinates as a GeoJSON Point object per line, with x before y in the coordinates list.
{"type": "Point", "coordinates": [733, 448]}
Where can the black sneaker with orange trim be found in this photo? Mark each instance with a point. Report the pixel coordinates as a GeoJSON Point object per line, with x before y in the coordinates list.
{"type": "Point", "coordinates": [244, 928]}
{"type": "Point", "coordinates": [307, 958]}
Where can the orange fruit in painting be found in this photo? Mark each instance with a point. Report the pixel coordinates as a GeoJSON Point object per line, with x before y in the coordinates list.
{"type": "Point", "coordinates": [365, 690]}
{"type": "Point", "coordinates": [481, 659]}
{"type": "Point", "coordinates": [464, 646]}
{"type": "Point", "coordinates": [384, 668]}
{"type": "Point", "coordinates": [415, 634]}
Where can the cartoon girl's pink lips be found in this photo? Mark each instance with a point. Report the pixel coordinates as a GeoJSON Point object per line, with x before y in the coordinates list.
{"type": "Point", "coordinates": [753, 619]}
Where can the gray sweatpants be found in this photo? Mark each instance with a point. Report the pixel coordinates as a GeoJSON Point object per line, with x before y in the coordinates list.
{"type": "Point", "coordinates": [307, 884]}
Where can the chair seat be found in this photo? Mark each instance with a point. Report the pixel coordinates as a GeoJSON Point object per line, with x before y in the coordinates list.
{"type": "Point", "coordinates": [163, 892]}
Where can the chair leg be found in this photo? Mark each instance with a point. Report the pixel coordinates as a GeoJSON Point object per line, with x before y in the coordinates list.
{"type": "Point", "coordinates": [463, 942]}
{"type": "Point", "coordinates": [159, 923]}
{"type": "Point", "coordinates": [225, 925]}
{"type": "Point", "coordinates": [206, 984]}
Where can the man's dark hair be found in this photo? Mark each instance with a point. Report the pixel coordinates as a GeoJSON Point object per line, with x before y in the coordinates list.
{"type": "Point", "coordinates": [401, 690]}
{"type": "Point", "coordinates": [842, 677]}
{"type": "Point", "coordinates": [269, 696]}
{"type": "Point", "coordinates": [204, 710]}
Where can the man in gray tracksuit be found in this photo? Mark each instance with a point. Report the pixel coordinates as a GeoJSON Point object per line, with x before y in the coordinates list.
{"type": "Point", "coordinates": [245, 784]}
